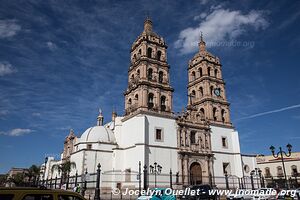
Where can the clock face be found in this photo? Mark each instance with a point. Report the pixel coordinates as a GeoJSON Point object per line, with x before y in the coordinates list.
{"type": "Point", "coordinates": [217, 92]}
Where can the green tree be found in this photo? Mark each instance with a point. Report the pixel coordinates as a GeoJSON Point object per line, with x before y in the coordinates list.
{"type": "Point", "coordinates": [3, 179]}
{"type": "Point", "coordinates": [18, 179]}
{"type": "Point", "coordinates": [64, 169]}
{"type": "Point", "coordinates": [32, 173]}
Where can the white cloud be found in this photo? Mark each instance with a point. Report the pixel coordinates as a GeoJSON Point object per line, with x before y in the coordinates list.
{"type": "Point", "coordinates": [8, 28]}
{"type": "Point", "coordinates": [220, 25]}
{"type": "Point", "coordinates": [51, 45]}
{"type": "Point", "coordinates": [6, 68]}
{"type": "Point", "coordinates": [3, 112]}
{"type": "Point", "coordinates": [36, 114]}
{"type": "Point", "coordinates": [203, 2]}
{"type": "Point", "coordinates": [270, 112]}
{"type": "Point", "coordinates": [16, 132]}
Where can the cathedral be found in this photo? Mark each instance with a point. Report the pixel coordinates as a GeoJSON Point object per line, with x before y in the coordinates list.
{"type": "Point", "coordinates": [200, 145]}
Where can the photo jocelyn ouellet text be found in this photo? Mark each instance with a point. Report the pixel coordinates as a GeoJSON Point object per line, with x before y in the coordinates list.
{"type": "Point", "coordinates": [190, 192]}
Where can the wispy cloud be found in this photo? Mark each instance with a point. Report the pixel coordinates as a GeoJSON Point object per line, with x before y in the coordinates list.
{"type": "Point", "coordinates": [9, 28]}
{"type": "Point", "coordinates": [221, 24]}
{"type": "Point", "coordinates": [270, 112]}
{"type": "Point", "coordinates": [289, 21]}
{"type": "Point", "coordinates": [3, 112]}
{"type": "Point", "coordinates": [6, 68]}
{"type": "Point", "coordinates": [52, 46]}
{"type": "Point", "coordinates": [16, 132]}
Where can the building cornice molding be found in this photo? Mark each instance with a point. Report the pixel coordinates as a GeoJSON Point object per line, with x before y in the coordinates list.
{"type": "Point", "coordinates": [204, 78]}
{"type": "Point", "coordinates": [155, 85]}
{"type": "Point", "coordinates": [168, 115]}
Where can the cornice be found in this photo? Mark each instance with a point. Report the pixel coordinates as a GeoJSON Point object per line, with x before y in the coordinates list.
{"type": "Point", "coordinates": [206, 77]}
{"type": "Point", "coordinates": [149, 84]}
{"type": "Point", "coordinates": [168, 115]}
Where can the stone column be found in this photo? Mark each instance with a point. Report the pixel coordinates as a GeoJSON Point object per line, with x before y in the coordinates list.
{"type": "Point", "coordinates": [144, 97]}
{"type": "Point", "coordinates": [184, 137]}
{"type": "Point", "coordinates": [186, 170]}
{"type": "Point", "coordinates": [178, 137]}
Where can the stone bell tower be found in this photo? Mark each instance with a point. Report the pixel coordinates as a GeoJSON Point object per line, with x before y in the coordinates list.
{"type": "Point", "coordinates": [206, 88]}
{"type": "Point", "coordinates": [149, 87]}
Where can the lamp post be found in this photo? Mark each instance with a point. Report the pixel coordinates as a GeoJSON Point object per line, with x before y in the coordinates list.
{"type": "Point", "coordinates": [84, 183]}
{"type": "Point", "coordinates": [251, 177]}
{"type": "Point", "coordinates": [226, 180]}
{"type": "Point", "coordinates": [280, 154]}
{"type": "Point", "coordinates": [97, 190]}
{"type": "Point", "coordinates": [139, 178]}
{"type": "Point", "coordinates": [257, 172]}
{"type": "Point", "coordinates": [156, 169]}
{"type": "Point", "coordinates": [44, 175]}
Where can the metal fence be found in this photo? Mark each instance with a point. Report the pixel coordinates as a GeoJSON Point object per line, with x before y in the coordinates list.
{"type": "Point", "coordinates": [136, 181]}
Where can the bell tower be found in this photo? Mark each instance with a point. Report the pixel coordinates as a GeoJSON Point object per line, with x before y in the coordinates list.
{"type": "Point", "coordinates": [206, 88]}
{"type": "Point", "coordinates": [149, 87]}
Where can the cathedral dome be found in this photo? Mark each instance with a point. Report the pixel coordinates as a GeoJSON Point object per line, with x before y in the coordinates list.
{"type": "Point", "coordinates": [98, 134]}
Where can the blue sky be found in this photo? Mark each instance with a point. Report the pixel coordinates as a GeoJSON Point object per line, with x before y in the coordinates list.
{"type": "Point", "coordinates": [62, 60]}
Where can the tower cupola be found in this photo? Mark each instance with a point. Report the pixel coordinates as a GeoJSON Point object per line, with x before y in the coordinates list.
{"type": "Point", "coordinates": [202, 45]}
{"type": "Point", "coordinates": [100, 118]}
{"type": "Point", "coordinates": [148, 25]}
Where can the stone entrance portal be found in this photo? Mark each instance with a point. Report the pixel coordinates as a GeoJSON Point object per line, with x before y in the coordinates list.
{"type": "Point", "coordinates": [195, 174]}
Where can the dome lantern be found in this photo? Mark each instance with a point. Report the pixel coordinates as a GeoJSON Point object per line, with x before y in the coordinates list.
{"type": "Point", "coordinates": [100, 118]}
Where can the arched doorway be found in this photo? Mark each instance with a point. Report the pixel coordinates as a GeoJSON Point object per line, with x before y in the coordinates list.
{"type": "Point", "coordinates": [195, 174]}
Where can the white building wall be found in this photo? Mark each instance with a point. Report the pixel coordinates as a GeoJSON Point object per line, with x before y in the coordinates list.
{"type": "Point", "coordinates": [250, 161]}
{"type": "Point", "coordinates": [229, 154]}
{"type": "Point", "coordinates": [273, 167]}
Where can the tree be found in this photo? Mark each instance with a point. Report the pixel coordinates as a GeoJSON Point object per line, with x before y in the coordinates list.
{"type": "Point", "coordinates": [32, 173]}
{"type": "Point", "coordinates": [64, 169]}
{"type": "Point", "coordinates": [17, 179]}
{"type": "Point", "coordinates": [3, 179]}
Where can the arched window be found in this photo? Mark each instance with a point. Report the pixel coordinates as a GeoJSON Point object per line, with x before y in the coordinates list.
{"type": "Point", "coordinates": [160, 76]}
{"type": "Point", "coordinates": [136, 97]}
{"type": "Point", "coordinates": [150, 73]}
{"type": "Point", "coordinates": [267, 172]}
{"type": "Point", "coordinates": [134, 58]}
{"type": "Point", "coordinates": [149, 52]}
{"type": "Point", "coordinates": [163, 103]}
{"type": "Point", "coordinates": [215, 114]}
{"type": "Point", "coordinates": [279, 171]}
{"type": "Point", "coordinates": [158, 55]}
{"type": "Point", "coordinates": [223, 115]}
{"type": "Point", "coordinates": [193, 137]}
{"type": "Point", "coordinates": [216, 73]}
{"type": "Point", "coordinates": [200, 72]}
{"type": "Point", "coordinates": [138, 73]}
{"type": "Point", "coordinates": [201, 91]}
{"type": "Point", "coordinates": [294, 170]}
{"type": "Point", "coordinates": [140, 51]}
{"type": "Point", "coordinates": [129, 101]}
{"type": "Point", "coordinates": [202, 113]}
{"type": "Point", "coordinates": [132, 76]}
{"type": "Point", "coordinates": [193, 76]}
{"type": "Point", "coordinates": [193, 96]}
{"type": "Point", "coordinates": [150, 101]}
{"type": "Point", "coordinates": [208, 71]}
{"type": "Point", "coordinates": [211, 90]}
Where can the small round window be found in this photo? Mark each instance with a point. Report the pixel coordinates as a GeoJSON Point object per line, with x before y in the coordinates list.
{"type": "Point", "coordinates": [246, 168]}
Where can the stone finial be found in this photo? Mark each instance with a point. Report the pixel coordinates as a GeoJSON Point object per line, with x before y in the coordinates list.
{"type": "Point", "coordinates": [202, 45]}
{"type": "Point", "coordinates": [100, 118]}
{"type": "Point", "coordinates": [148, 25]}
{"type": "Point", "coordinates": [113, 115]}
{"type": "Point", "coordinates": [71, 133]}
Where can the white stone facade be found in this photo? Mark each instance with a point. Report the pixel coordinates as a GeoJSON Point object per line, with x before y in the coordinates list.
{"type": "Point", "coordinates": [198, 145]}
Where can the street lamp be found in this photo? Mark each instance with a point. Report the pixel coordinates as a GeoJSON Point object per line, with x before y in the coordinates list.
{"type": "Point", "coordinates": [258, 173]}
{"type": "Point", "coordinates": [44, 176]}
{"type": "Point", "coordinates": [280, 154]}
{"type": "Point", "coordinates": [156, 169]}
